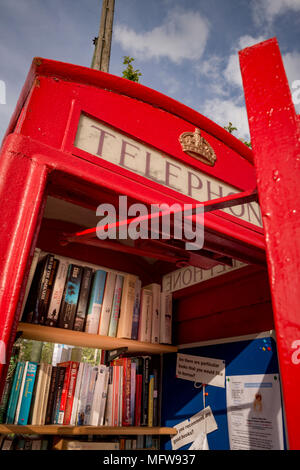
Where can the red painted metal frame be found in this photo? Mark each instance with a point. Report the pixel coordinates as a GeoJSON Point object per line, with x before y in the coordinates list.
{"type": "Point", "coordinates": [275, 137]}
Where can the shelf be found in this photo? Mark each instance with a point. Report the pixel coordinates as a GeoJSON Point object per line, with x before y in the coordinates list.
{"type": "Point", "coordinates": [82, 339]}
{"type": "Point", "coordinates": [53, 429]}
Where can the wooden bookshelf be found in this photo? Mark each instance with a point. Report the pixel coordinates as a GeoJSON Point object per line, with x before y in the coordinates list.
{"type": "Point", "coordinates": [53, 429]}
{"type": "Point", "coordinates": [87, 340]}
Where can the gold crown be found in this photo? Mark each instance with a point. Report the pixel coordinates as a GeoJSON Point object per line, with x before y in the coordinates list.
{"type": "Point", "coordinates": [196, 146]}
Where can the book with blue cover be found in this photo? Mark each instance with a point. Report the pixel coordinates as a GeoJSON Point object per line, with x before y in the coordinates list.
{"type": "Point", "coordinates": [14, 395]}
{"type": "Point", "coordinates": [27, 393]}
{"type": "Point", "coordinates": [95, 302]}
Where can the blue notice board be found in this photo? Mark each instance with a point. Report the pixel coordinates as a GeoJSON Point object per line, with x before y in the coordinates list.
{"type": "Point", "coordinates": [181, 400]}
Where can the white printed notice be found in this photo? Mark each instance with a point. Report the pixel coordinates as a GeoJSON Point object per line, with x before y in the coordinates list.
{"type": "Point", "coordinates": [201, 369]}
{"type": "Point", "coordinates": [254, 412]}
{"type": "Point", "coordinates": [190, 429]}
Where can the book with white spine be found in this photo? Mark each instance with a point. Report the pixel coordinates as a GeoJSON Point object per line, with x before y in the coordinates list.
{"type": "Point", "coordinates": [107, 303]}
{"type": "Point", "coordinates": [155, 328]}
{"type": "Point", "coordinates": [127, 306]}
{"type": "Point", "coordinates": [97, 398]}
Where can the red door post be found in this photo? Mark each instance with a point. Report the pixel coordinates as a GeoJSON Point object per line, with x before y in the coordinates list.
{"type": "Point", "coordinates": [22, 187]}
{"type": "Point", "coordinates": [275, 138]}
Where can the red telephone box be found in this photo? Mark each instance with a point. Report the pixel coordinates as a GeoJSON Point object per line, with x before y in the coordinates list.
{"type": "Point", "coordinates": [79, 137]}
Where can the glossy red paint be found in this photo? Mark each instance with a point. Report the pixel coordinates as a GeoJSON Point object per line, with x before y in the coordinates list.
{"type": "Point", "coordinates": [275, 137]}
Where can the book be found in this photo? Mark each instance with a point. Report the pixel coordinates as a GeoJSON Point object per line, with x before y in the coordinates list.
{"type": "Point", "coordinates": [69, 367]}
{"type": "Point", "coordinates": [104, 398]}
{"type": "Point", "coordinates": [38, 395]}
{"type": "Point", "coordinates": [73, 420]}
{"type": "Point", "coordinates": [98, 395]}
{"type": "Point", "coordinates": [95, 302]}
{"type": "Point", "coordinates": [115, 395]}
{"type": "Point", "coordinates": [136, 310]}
{"type": "Point", "coordinates": [138, 394]}
{"type": "Point", "coordinates": [124, 329]}
{"type": "Point", "coordinates": [125, 363]}
{"type": "Point", "coordinates": [83, 300]}
{"type": "Point", "coordinates": [71, 391]}
{"type": "Point", "coordinates": [57, 395]}
{"type": "Point", "coordinates": [34, 262]}
{"type": "Point", "coordinates": [45, 395]}
{"type": "Point", "coordinates": [155, 326]}
{"type": "Point", "coordinates": [107, 303]}
{"type": "Point", "coordinates": [52, 391]}
{"type": "Point", "coordinates": [150, 400]}
{"type": "Point", "coordinates": [14, 395]}
{"type": "Point", "coordinates": [18, 407]}
{"type": "Point", "coordinates": [68, 444]}
{"type": "Point", "coordinates": [47, 290]}
{"type": "Point", "coordinates": [109, 400]}
{"type": "Point", "coordinates": [90, 395]}
{"type": "Point", "coordinates": [132, 390]}
{"type": "Point", "coordinates": [70, 297]}
{"type": "Point", "coordinates": [83, 394]}
{"type": "Point", "coordinates": [9, 382]}
{"type": "Point", "coordinates": [145, 322]}
{"type": "Point", "coordinates": [57, 292]}
{"type": "Point", "coordinates": [38, 316]}
{"type": "Point", "coordinates": [112, 331]}
{"type": "Point", "coordinates": [37, 290]}
{"type": "Point", "coordinates": [166, 318]}
{"type": "Point", "coordinates": [145, 391]}
{"type": "Point", "coordinates": [29, 381]}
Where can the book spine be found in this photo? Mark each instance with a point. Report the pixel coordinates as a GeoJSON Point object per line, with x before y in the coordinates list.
{"type": "Point", "coordinates": [166, 318]}
{"type": "Point", "coordinates": [155, 398]}
{"type": "Point", "coordinates": [145, 391]}
{"type": "Point", "coordinates": [83, 299]}
{"type": "Point", "coordinates": [9, 383]}
{"type": "Point", "coordinates": [109, 400]}
{"type": "Point", "coordinates": [138, 399]}
{"type": "Point", "coordinates": [83, 394]}
{"type": "Point", "coordinates": [132, 391]}
{"type": "Point", "coordinates": [97, 398]}
{"type": "Point", "coordinates": [107, 304]}
{"type": "Point", "coordinates": [27, 393]}
{"type": "Point", "coordinates": [64, 392]}
{"type": "Point", "coordinates": [104, 398]}
{"type": "Point", "coordinates": [42, 417]}
{"type": "Point", "coordinates": [71, 391]}
{"type": "Point", "coordinates": [31, 312]}
{"type": "Point", "coordinates": [50, 284]}
{"type": "Point", "coordinates": [90, 395]}
{"type": "Point", "coordinates": [73, 421]}
{"type": "Point", "coordinates": [136, 310]}
{"type": "Point", "coordinates": [13, 399]}
{"type": "Point", "coordinates": [36, 403]}
{"type": "Point", "coordinates": [21, 393]}
{"type": "Point", "coordinates": [70, 297]}
{"type": "Point", "coordinates": [95, 303]}
{"type": "Point", "coordinates": [126, 309]}
{"type": "Point", "coordinates": [155, 314]}
{"type": "Point", "coordinates": [144, 334]}
{"type": "Point", "coordinates": [57, 293]}
{"type": "Point", "coordinates": [33, 266]}
{"type": "Point", "coordinates": [58, 392]}
{"type": "Point", "coordinates": [115, 395]}
{"type": "Point", "coordinates": [126, 415]}
{"type": "Point", "coordinates": [51, 397]}
{"type": "Point", "coordinates": [150, 400]}
{"type": "Point", "coordinates": [40, 317]}
{"type": "Point", "coordinates": [116, 306]}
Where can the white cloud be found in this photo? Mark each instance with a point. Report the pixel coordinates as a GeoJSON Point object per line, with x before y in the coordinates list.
{"type": "Point", "coordinates": [232, 71]}
{"type": "Point", "coordinates": [182, 35]}
{"type": "Point", "coordinates": [268, 10]}
{"type": "Point", "coordinates": [224, 111]}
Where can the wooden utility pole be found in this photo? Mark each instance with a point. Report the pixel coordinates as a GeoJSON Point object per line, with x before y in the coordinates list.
{"type": "Point", "coordinates": [103, 41]}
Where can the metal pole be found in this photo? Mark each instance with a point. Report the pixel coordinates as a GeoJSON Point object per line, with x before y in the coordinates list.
{"type": "Point", "coordinates": [102, 43]}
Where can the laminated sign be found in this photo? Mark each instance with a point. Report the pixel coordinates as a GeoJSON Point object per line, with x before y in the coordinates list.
{"type": "Point", "coordinates": [201, 369]}
{"type": "Point", "coordinates": [192, 428]}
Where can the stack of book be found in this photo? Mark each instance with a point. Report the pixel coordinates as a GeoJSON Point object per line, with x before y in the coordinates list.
{"type": "Point", "coordinates": [66, 293]}
{"type": "Point", "coordinates": [123, 393]}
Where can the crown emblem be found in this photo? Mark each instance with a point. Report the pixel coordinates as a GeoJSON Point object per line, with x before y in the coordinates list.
{"type": "Point", "coordinates": [196, 146]}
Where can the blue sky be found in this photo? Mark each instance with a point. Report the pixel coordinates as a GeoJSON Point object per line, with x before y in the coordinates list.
{"type": "Point", "coordinates": [186, 49]}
